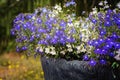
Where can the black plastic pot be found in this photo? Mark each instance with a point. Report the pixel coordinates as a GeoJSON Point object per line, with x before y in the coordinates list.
{"type": "Point", "coordinates": [61, 69]}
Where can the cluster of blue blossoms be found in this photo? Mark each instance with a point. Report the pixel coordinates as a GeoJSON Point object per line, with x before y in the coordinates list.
{"type": "Point", "coordinates": [40, 28]}
{"type": "Point", "coordinates": [108, 42]}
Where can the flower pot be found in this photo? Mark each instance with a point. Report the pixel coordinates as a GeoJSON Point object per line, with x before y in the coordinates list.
{"type": "Point", "coordinates": [61, 69]}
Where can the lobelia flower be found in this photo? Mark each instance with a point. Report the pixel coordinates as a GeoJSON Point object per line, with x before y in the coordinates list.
{"type": "Point", "coordinates": [85, 58]}
{"type": "Point", "coordinates": [70, 3]}
{"type": "Point", "coordinates": [54, 33]}
{"type": "Point", "coordinates": [108, 39]}
{"type": "Point", "coordinates": [92, 62]}
{"type": "Point", "coordinates": [102, 61]}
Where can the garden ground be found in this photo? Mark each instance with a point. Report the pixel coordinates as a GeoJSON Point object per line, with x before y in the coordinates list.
{"type": "Point", "coordinates": [14, 66]}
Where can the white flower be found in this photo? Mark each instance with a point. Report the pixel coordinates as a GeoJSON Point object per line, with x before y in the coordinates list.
{"type": "Point", "coordinates": [118, 51]}
{"type": "Point", "coordinates": [77, 23]}
{"type": "Point", "coordinates": [94, 11]}
{"type": "Point", "coordinates": [114, 10]}
{"type": "Point", "coordinates": [53, 52]}
{"type": "Point", "coordinates": [52, 48]}
{"type": "Point", "coordinates": [84, 25]}
{"type": "Point", "coordinates": [80, 48]}
{"type": "Point", "coordinates": [58, 8]}
{"type": "Point", "coordinates": [55, 12]}
{"type": "Point", "coordinates": [68, 45]}
{"type": "Point", "coordinates": [33, 18]}
{"type": "Point", "coordinates": [62, 52]}
{"type": "Point", "coordinates": [105, 2]}
{"type": "Point", "coordinates": [70, 49]}
{"type": "Point", "coordinates": [47, 50]}
{"type": "Point", "coordinates": [52, 15]}
{"type": "Point", "coordinates": [83, 12]}
{"type": "Point", "coordinates": [117, 57]}
{"type": "Point", "coordinates": [106, 6]}
{"type": "Point", "coordinates": [118, 5]}
{"type": "Point", "coordinates": [85, 38]}
{"type": "Point", "coordinates": [70, 24]}
{"type": "Point", "coordinates": [39, 48]}
{"type": "Point", "coordinates": [101, 3]}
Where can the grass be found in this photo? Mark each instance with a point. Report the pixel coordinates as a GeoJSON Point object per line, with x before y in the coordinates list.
{"type": "Point", "coordinates": [17, 67]}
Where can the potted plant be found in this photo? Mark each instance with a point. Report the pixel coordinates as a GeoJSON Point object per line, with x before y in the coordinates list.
{"type": "Point", "coordinates": [71, 48]}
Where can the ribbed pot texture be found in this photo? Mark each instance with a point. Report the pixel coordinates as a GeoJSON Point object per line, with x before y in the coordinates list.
{"type": "Point", "coordinates": [61, 69]}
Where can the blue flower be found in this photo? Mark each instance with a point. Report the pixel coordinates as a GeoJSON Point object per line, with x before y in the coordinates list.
{"type": "Point", "coordinates": [101, 40]}
{"type": "Point", "coordinates": [44, 10]}
{"type": "Point", "coordinates": [28, 16]}
{"type": "Point", "coordinates": [107, 23]}
{"type": "Point", "coordinates": [107, 46]}
{"type": "Point", "coordinates": [109, 11]}
{"type": "Point", "coordinates": [53, 41]}
{"type": "Point", "coordinates": [32, 38]}
{"type": "Point", "coordinates": [90, 42]}
{"type": "Point", "coordinates": [42, 30]}
{"type": "Point", "coordinates": [25, 26]}
{"type": "Point", "coordinates": [117, 21]}
{"type": "Point", "coordinates": [48, 37]}
{"type": "Point", "coordinates": [17, 27]}
{"type": "Point", "coordinates": [12, 32]}
{"type": "Point", "coordinates": [92, 62]}
{"type": "Point", "coordinates": [104, 51]}
{"type": "Point", "coordinates": [97, 51]}
{"type": "Point", "coordinates": [18, 40]}
{"type": "Point", "coordinates": [102, 32]}
{"type": "Point", "coordinates": [111, 54]}
{"type": "Point", "coordinates": [20, 17]}
{"type": "Point", "coordinates": [39, 21]}
{"type": "Point", "coordinates": [111, 43]}
{"type": "Point", "coordinates": [18, 49]}
{"type": "Point", "coordinates": [102, 61]}
{"type": "Point", "coordinates": [24, 48]}
{"type": "Point", "coordinates": [118, 26]}
{"type": "Point", "coordinates": [62, 40]}
{"type": "Point", "coordinates": [108, 39]}
{"type": "Point", "coordinates": [63, 24]}
{"type": "Point", "coordinates": [44, 42]}
{"type": "Point", "coordinates": [37, 35]}
{"type": "Point", "coordinates": [107, 16]}
{"type": "Point", "coordinates": [96, 43]}
{"type": "Point", "coordinates": [117, 45]}
{"type": "Point", "coordinates": [70, 3]}
{"type": "Point", "coordinates": [24, 38]}
{"type": "Point", "coordinates": [71, 40]}
{"type": "Point", "coordinates": [85, 58]}
{"type": "Point", "coordinates": [114, 36]}
{"type": "Point", "coordinates": [101, 51]}
{"type": "Point", "coordinates": [94, 21]}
